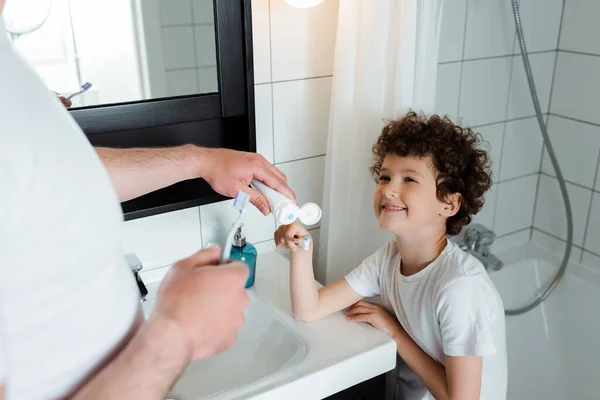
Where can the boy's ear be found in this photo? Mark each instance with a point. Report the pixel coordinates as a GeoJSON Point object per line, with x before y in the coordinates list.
{"type": "Point", "coordinates": [452, 205]}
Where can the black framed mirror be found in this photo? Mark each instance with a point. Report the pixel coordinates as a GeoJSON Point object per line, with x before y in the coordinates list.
{"type": "Point", "coordinates": [221, 118]}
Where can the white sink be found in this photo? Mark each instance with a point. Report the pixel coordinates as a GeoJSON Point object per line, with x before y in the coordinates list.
{"type": "Point", "coordinates": [265, 346]}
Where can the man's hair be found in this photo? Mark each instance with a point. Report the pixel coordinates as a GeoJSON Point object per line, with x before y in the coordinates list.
{"type": "Point", "coordinates": [460, 165]}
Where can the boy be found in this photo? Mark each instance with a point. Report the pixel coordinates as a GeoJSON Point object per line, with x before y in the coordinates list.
{"type": "Point", "coordinates": [439, 304]}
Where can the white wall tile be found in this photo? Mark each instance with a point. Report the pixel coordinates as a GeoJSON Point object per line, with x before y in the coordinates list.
{"type": "Point", "coordinates": [302, 40]}
{"type": "Point", "coordinates": [180, 82]}
{"type": "Point", "coordinates": [576, 92]}
{"type": "Point", "coordinates": [576, 146]}
{"type": "Point", "coordinates": [207, 80]}
{"type": "Point", "coordinates": [162, 239]}
{"type": "Point", "coordinates": [490, 29]}
{"type": "Point", "coordinates": [203, 11]}
{"type": "Point", "coordinates": [592, 239]}
{"type": "Point", "coordinates": [178, 47]}
{"type": "Point", "coordinates": [580, 30]}
{"type": "Point", "coordinates": [519, 96]}
{"type": "Point", "coordinates": [264, 121]}
{"type": "Point", "coordinates": [265, 247]}
{"type": "Point", "coordinates": [484, 90]}
{"type": "Point", "coordinates": [511, 241]}
{"type": "Point", "coordinates": [597, 184]}
{"type": "Point", "coordinates": [541, 23]}
{"type": "Point", "coordinates": [448, 90]}
{"type": "Point", "coordinates": [550, 215]}
{"type": "Point", "coordinates": [175, 12]}
{"type": "Point", "coordinates": [217, 219]}
{"type": "Point", "coordinates": [301, 118]}
{"type": "Point", "coordinates": [514, 210]}
{"type": "Point", "coordinates": [306, 178]}
{"type": "Point", "coordinates": [486, 214]}
{"type": "Point", "coordinates": [494, 136]}
{"type": "Point", "coordinates": [591, 260]}
{"type": "Point", "coordinates": [261, 41]}
{"type": "Point", "coordinates": [522, 151]}
{"type": "Point", "coordinates": [452, 32]}
{"type": "Point", "coordinates": [555, 245]}
{"type": "Point", "coordinates": [206, 54]}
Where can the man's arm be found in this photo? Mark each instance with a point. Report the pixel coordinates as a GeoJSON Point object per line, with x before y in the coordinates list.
{"type": "Point", "coordinates": [138, 171]}
{"type": "Point", "coordinates": [146, 368]}
{"type": "Point", "coordinates": [148, 364]}
{"type": "Point", "coordinates": [135, 172]}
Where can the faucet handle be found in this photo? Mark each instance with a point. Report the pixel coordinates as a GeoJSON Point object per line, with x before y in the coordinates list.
{"type": "Point", "coordinates": [471, 237]}
{"type": "Point", "coordinates": [134, 262]}
{"type": "Point", "coordinates": [136, 265]}
{"type": "Point", "coordinates": [486, 236]}
{"type": "Point", "coordinates": [477, 236]}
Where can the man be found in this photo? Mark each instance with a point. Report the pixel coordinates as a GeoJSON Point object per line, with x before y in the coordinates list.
{"type": "Point", "coordinates": [70, 318]}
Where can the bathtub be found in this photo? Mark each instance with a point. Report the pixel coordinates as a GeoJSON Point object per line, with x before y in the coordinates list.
{"type": "Point", "coordinates": [554, 349]}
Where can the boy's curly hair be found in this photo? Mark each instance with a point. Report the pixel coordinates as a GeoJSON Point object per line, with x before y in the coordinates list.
{"type": "Point", "coordinates": [461, 166]}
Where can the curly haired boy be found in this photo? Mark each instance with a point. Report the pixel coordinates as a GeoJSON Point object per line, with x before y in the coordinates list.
{"type": "Point", "coordinates": [438, 302]}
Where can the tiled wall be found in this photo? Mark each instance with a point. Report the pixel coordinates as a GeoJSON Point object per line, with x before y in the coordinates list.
{"type": "Point", "coordinates": [481, 79]}
{"type": "Point", "coordinates": [574, 127]}
{"type": "Point", "coordinates": [293, 62]}
{"type": "Point", "coordinates": [188, 46]}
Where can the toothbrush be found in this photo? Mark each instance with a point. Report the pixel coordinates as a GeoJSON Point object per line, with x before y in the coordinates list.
{"type": "Point", "coordinates": [84, 87]}
{"type": "Point", "coordinates": [303, 242]}
{"type": "Point", "coordinates": [239, 204]}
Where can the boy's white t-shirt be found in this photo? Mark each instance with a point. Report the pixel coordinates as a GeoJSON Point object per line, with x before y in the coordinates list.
{"type": "Point", "coordinates": [451, 307]}
{"type": "Point", "coordinates": [67, 296]}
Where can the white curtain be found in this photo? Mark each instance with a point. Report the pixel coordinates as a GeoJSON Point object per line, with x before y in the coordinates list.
{"type": "Point", "coordinates": [385, 63]}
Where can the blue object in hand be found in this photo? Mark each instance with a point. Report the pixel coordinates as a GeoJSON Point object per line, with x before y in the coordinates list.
{"type": "Point", "coordinates": [244, 252]}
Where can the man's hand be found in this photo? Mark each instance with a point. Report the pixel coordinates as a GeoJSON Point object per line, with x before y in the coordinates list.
{"type": "Point", "coordinates": [204, 301]}
{"type": "Point", "coordinates": [228, 171]}
{"type": "Point", "coordinates": [66, 102]}
{"type": "Point", "coordinates": [375, 315]}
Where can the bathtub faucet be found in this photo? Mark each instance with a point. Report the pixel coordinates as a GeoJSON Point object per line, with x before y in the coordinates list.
{"type": "Point", "coordinates": [477, 240]}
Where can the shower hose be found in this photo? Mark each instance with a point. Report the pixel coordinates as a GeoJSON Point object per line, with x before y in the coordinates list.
{"type": "Point", "coordinates": [561, 181]}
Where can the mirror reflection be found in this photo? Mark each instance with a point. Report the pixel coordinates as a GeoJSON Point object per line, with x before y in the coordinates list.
{"type": "Point", "coordinates": [115, 51]}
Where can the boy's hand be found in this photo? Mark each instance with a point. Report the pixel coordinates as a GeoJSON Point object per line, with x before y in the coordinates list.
{"type": "Point", "coordinates": [284, 236]}
{"type": "Point", "coordinates": [375, 315]}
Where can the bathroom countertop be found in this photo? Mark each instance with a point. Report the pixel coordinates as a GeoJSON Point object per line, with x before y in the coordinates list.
{"type": "Point", "coordinates": [340, 354]}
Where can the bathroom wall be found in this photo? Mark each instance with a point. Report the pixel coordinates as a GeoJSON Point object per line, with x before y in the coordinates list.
{"type": "Point", "coordinates": [574, 127]}
{"type": "Point", "coordinates": [293, 62]}
{"type": "Point", "coordinates": [481, 80]}
{"type": "Point", "coordinates": [187, 33]}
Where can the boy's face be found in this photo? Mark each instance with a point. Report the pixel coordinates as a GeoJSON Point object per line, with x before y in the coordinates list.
{"type": "Point", "coordinates": [406, 195]}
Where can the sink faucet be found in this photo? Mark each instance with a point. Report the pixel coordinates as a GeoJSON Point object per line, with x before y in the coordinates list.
{"type": "Point", "coordinates": [136, 265]}
{"type": "Point", "coordinates": [477, 240]}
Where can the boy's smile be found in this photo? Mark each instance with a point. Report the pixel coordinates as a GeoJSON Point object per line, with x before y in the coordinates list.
{"type": "Point", "coordinates": [392, 208]}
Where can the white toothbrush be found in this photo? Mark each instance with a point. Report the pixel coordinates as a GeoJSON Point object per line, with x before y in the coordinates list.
{"type": "Point", "coordinates": [303, 242]}
{"type": "Point", "coordinates": [239, 204]}
{"type": "Point", "coordinates": [84, 87]}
